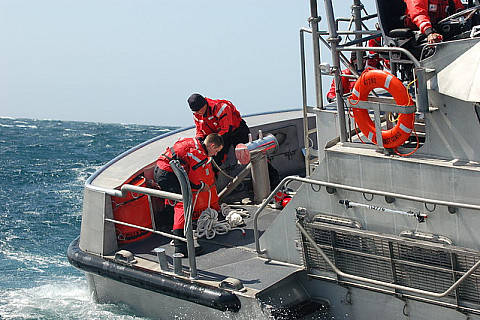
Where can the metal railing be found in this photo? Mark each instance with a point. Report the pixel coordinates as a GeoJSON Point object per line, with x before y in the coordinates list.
{"type": "Point", "coordinates": [332, 43]}
{"type": "Point", "coordinates": [286, 180]}
{"type": "Point", "coordinates": [383, 283]}
{"type": "Point", "coordinates": [337, 271]}
{"type": "Point", "coordinates": [185, 197]}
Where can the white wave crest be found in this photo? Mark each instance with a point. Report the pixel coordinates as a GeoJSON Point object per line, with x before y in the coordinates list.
{"type": "Point", "coordinates": [26, 126]}
{"type": "Point", "coordinates": [34, 260]}
{"type": "Point", "coordinates": [59, 299]}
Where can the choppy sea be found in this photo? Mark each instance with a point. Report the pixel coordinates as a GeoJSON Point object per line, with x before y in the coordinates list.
{"type": "Point", "coordinates": [43, 167]}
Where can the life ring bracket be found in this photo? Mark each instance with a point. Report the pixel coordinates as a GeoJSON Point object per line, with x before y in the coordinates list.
{"type": "Point", "coordinates": [383, 106]}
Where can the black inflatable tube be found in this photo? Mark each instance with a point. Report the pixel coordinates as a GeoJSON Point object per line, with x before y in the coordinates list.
{"type": "Point", "coordinates": [169, 285]}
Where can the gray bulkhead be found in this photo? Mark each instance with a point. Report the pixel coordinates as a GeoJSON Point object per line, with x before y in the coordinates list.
{"type": "Point", "coordinates": [445, 168]}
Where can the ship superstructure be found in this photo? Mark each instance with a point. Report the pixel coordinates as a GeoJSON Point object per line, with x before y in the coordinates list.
{"type": "Point", "coordinates": [383, 216]}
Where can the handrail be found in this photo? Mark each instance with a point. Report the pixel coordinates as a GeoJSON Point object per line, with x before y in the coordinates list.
{"type": "Point", "coordinates": [386, 284]}
{"type": "Point", "coordinates": [185, 197]}
{"type": "Point", "coordinates": [165, 234]}
{"type": "Point", "coordinates": [187, 212]}
{"type": "Point", "coordinates": [348, 188]}
{"type": "Point", "coordinates": [385, 49]}
{"type": "Point", "coordinates": [306, 141]}
{"type": "Point", "coordinates": [131, 188]}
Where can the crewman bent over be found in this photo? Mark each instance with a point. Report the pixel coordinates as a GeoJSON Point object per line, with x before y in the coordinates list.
{"type": "Point", "coordinates": [195, 157]}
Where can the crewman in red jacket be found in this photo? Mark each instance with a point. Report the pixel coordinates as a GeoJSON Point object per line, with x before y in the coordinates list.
{"type": "Point", "coordinates": [374, 59]}
{"type": "Point", "coordinates": [423, 15]}
{"type": "Point", "coordinates": [195, 157]}
{"type": "Point", "coordinates": [219, 116]}
{"type": "Point", "coordinates": [347, 82]}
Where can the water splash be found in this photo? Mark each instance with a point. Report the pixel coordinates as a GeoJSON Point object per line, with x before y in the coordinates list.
{"type": "Point", "coordinates": [66, 298]}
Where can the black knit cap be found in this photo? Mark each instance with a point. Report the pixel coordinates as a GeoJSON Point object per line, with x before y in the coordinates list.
{"type": "Point", "coordinates": [196, 101]}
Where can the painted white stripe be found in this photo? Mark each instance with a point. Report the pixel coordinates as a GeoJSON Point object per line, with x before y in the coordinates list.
{"type": "Point", "coordinates": [196, 143]}
{"type": "Point", "coordinates": [193, 157]}
{"type": "Point", "coordinates": [356, 93]}
{"type": "Point", "coordinates": [387, 81]}
{"type": "Point", "coordinates": [405, 129]}
{"type": "Point", "coordinates": [210, 118]}
{"type": "Point", "coordinates": [221, 110]}
{"type": "Point", "coordinates": [370, 136]}
{"type": "Point", "coordinates": [422, 25]}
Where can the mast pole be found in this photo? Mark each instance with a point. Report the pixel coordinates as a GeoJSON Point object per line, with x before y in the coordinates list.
{"type": "Point", "coordinates": [334, 40]}
{"type": "Point", "coordinates": [357, 14]}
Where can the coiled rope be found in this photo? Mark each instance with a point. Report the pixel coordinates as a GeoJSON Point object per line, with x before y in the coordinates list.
{"type": "Point", "coordinates": [209, 226]}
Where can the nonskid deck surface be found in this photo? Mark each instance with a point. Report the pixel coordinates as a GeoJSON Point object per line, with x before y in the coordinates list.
{"type": "Point", "coordinates": [231, 255]}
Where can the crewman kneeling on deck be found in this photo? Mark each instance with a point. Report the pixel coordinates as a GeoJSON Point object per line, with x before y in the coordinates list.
{"type": "Point", "coordinates": [195, 157]}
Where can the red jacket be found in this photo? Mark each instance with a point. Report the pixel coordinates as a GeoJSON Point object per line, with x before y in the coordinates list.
{"type": "Point", "coordinates": [424, 14]}
{"type": "Point", "coordinates": [220, 117]}
{"type": "Point", "coordinates": [347, 84]}
{"type": "Point", "coordinates": [375, 60]}
{"type": "Point", "coordinates": [194, 159]}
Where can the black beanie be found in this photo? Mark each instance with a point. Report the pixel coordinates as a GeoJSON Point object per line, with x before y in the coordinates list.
{"type": "Point", "coordinates": [196, 102]}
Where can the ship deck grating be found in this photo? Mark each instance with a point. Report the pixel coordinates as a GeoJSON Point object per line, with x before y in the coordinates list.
{"type": "Point", "coordinates": [393, 259]}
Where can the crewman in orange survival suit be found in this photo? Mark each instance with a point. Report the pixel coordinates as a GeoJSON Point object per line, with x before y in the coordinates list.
{"type": "Point", "coordinates": [222, 117]}
{"type": "Point", "coordinates": [347, 83]}
{"type": "Point", "coordinates": [423, 15]}
{"type": "Point", "coordinates": [194, 155]}
{"type": "Point", "coordinates": [219, 116]}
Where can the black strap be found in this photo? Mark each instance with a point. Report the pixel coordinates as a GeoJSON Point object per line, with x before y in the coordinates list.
{"type": "Point", "coordinates": [451, 7]}
{"type": "Point", "coordinates": [195, 167]}
{"type": "Point", "coordinates": [174, 156]}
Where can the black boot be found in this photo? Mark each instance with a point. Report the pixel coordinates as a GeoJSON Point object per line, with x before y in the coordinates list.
{"type": "Point", "coordinates": [180, 246]}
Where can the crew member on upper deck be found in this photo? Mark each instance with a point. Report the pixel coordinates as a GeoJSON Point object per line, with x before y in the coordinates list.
{"type": "Point", "coordinates": [374, 59]}
{"type": "Point", "coordinates": [347, 82]}
{"type": "Point", "coordinates": [424, 15]}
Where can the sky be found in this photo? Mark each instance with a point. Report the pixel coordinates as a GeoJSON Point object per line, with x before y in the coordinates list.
{"type": "Point", "coordinates": [137, 61]}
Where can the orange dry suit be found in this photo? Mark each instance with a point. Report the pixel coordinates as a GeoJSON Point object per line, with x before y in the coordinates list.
{"type": "Point", "coordinates": [223, 118]}
{"type": "Point", "coordinates": [347, 85]}
{"type": "Point", "coordinates": [424, 14]}
{"type": "Point", "coordinates": [192, 154]}
{"type": "Point", "coordinates": [374, 59]}
{"type": "Point", "coordinates": [220, 117]}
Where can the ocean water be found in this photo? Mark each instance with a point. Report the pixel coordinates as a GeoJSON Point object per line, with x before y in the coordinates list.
{"type": "Point", "coordinates": [43, 167]}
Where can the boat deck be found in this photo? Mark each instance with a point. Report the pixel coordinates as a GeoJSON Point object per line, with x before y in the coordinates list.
{"type": "Point", "coordinates": [231, 255]}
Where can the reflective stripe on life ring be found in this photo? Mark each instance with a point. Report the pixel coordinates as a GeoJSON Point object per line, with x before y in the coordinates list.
{"type": "Point", "coordinates": [370, 80]}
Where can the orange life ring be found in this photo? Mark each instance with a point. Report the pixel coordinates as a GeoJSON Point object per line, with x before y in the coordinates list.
{"type": "Point", "coordinates": [370, 80]}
